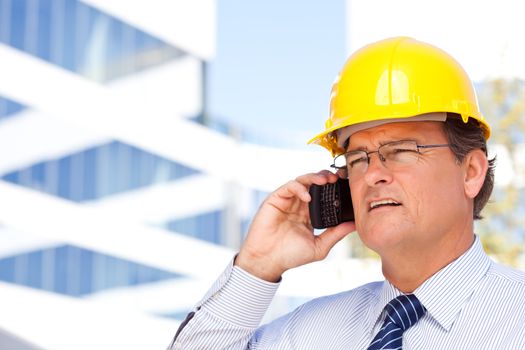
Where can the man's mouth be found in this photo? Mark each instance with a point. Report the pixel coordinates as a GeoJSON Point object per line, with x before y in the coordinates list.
{"type": "Point", "coordinates": [383, 203]}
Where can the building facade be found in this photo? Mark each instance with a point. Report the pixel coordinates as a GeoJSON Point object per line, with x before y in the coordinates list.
{"type": "Point", "coordinates": [120, 200]}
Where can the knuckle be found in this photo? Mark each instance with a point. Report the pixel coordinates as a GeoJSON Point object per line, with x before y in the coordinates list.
{"type": "Point", "coordinates": [291, 184]}
{"type": "Point", "coordinates": [305, 177]}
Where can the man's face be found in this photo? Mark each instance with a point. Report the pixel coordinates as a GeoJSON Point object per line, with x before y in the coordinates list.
{"type": "Point", "coordinates": [430, 196]}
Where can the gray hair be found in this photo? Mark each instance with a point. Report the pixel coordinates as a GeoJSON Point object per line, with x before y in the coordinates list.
{"type": "Point", "coordinates": [466, 137]}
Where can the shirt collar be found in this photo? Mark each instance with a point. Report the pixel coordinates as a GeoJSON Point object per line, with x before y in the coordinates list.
{"type": "Point", "coordinates": [385, 294]}
{"type": "Point", "coordinates": [445, 292]}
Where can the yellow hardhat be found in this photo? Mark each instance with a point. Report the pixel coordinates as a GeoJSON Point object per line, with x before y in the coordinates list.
{"type": "Point", "coordinates": [398, 78]}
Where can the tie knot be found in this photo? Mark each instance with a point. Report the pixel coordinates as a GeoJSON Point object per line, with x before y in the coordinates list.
{"type": "Point", "coordinates": [405, 311]}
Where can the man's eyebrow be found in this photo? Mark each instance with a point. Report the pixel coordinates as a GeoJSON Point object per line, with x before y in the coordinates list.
{"type": "Point", "coordinates": [360, 148]}
{"type": "Point", "coordinates": [382, 143]}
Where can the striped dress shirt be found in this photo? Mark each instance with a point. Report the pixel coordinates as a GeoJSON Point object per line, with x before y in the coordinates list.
{"type": "Point", "coordinates": [472, 303]}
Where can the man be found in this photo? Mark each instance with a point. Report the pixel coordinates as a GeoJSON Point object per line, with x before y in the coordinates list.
{"type": "Point", "coordinates": [405, 119]}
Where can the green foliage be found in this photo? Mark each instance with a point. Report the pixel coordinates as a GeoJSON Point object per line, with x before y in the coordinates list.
{"type": "Point", "coordinates": [502, 230]}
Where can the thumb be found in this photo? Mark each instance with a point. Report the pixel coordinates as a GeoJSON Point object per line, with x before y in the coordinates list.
{"type": "Point", "coordinates": [329, 238]}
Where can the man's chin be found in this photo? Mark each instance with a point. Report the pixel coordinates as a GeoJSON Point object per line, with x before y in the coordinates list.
{"type": "Point", "coordinates": [380, 238]}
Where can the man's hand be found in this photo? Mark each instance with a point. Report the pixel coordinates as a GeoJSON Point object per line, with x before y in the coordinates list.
{"type": "Point", "coordinates": [281, 236]}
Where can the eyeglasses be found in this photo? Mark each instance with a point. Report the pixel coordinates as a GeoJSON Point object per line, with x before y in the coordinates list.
{"type": "Point", "coordinates": [394, 155]}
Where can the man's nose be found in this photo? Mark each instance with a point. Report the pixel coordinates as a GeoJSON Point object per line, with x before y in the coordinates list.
{"type": "Point", "coordinates": [377, 171]}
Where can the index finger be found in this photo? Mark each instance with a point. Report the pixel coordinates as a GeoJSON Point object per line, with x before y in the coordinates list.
{"type": "Point", "coordinates": [321, 178]}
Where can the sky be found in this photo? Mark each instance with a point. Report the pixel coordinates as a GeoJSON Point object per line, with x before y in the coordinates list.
{"type": "Point", "coordinates": [275, 64]}
{"type": "Point", "coordinates": [485, 36]}
{"type": "Point", "coordinates": [276, 60]}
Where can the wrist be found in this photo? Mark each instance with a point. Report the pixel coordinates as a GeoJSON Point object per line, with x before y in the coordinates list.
{"type": "Point", "coordinates": [260, 268]}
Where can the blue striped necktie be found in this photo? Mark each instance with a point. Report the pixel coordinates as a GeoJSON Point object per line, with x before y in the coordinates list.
{"type": "Point", "coordinates": [401, 313]}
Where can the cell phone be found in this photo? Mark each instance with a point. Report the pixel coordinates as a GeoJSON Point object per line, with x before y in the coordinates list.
{"type": "Point", "coordinates": [331, 204]}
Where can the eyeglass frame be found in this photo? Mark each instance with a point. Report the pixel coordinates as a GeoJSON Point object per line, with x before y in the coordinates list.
{"type": "Point", "coordinates": [380, 156]}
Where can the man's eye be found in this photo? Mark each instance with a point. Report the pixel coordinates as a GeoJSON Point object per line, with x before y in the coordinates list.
{"type": "Point", "coordinates": [401, 150]}
{"type": "Point", "coordinates": [354, 162]}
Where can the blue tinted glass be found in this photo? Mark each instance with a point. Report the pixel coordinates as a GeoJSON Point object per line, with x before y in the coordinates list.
{"type": "Point", "coordinates": [21, 269]}
{"type": "Point", "coordinates": [18, 24]}
{"type": "Point", "coordinates": [151, 275]}
{"type": "Point", "coordinates": [69, 35]}
{"type": "Point", "coordinates": [57, 31]}
{"type": "Point", "coordinates": [38, 176]}
{"type": "Point", "coordinates": [7, 269]}
{"type": "Point", "coordinates": [13, 107]}
{"type": "Point", "coordinates": [134, 274]}
{"type": "Point", "coordinates": [122, 167]}
{"type": "Point", "coordinates": [25, 177]}
{"type": "Point", "coordinates": [99, 172]}
{"type": "Point", "coordinates": [12, 177]}
{"type": "Point", "coordinates": [35, 269]}
{"type": "Point", "coordinates": [115, 37]}
{"type": "Point", "coordinates": [90, 173]}
{"type": "Point", "coordinates": [98, 272]}
{"type": "Point", "coordinates": [206, 226]}
{"type": "Point", "coordinates": [76, 177]}
{"type": "Point", "coordinates": [60, 270]}
{"type": "Point", "coordinates": [44, 29]}
{"type": "Point", "coordinates": [5, 20]}
{"type": "Point", "coordinates": [102, 171]}
{"type": "Point", "coordinates": [31, 27]}
{"type": "Point", "coordinates": [76, 271]}
{"type": "Point", "coordinates": [92, 33]}
{"type": "Point", "coordinates": [112, 175]}
{"type": "Point", "coordinates": [162, 173]}
{"type": "Point", "coordinates": [48, 269]}
{"type": "Point", "coordinates": [146, 165]}
{"type": "Point", "coordinates": [80, 38]}
{"type": "Point", "coordinates": [134, 167]}
{"type": "Point", "coordinates": [9, 108]}
{"type": "Point", "coordinates": [64, 177]}
{"type": "Point", "coordinates": [130, 56]}
{"type": "Point", "coordinates": [109, 272]}
{"type": "Point", "coordinates": [86, 271]}
{"type": "Point", "coordinates": [145, 42]}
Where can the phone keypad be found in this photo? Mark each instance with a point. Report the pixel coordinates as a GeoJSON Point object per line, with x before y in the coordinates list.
{"type": "Point", "coordinates": [330, 206]}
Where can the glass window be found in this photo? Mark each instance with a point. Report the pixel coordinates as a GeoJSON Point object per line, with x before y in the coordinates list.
{"type": "Point", "coordinates": [76, 271]}
{"type": "Point", "coordinates": [90, 172]}
{"type": "Point", "coordinates": [48, 269]}
{"type": "Point", "coordinates": [206, 226]}
{"type": "Point", "coordinates": [38, 176]}
{"type": "Point", "coordinates": [7, 269]}
{"type": "Point", "coordinates": [5, 20]}
{"type": "Point", "coordinates": [77, 177]}
{"type": "Point", "coordinates": [98, 172]}
{"type": "Point", "coordinates": [86, 272]}
{"type": "Point", "coordinates": [34, 273]}
{"type": "Point", "coordinates": [9, 108]}
{"type": "Point", "coordinates": [60, 270]}
{"type": "Point", "coordinates": [18, 24]}
{"type": "Point", "coordinates": [80, 38]}
{"type": "Point", "coordinates": [12, 177]}
{"type": "Point", "coordinates": [69, 35]}
{"type": "Point", "coordinates": [64, 177]}
{"type": "Point", "coordinates": [57, 33]}
{"type": "Point", "coordinates": [44, 29]}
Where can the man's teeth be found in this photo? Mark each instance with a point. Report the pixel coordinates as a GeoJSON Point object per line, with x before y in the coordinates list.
{"type": "Point", "coordinates": [383, 202]}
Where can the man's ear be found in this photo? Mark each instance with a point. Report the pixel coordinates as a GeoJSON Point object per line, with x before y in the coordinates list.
{"type": "Point", "coordinates": [475, 165]}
